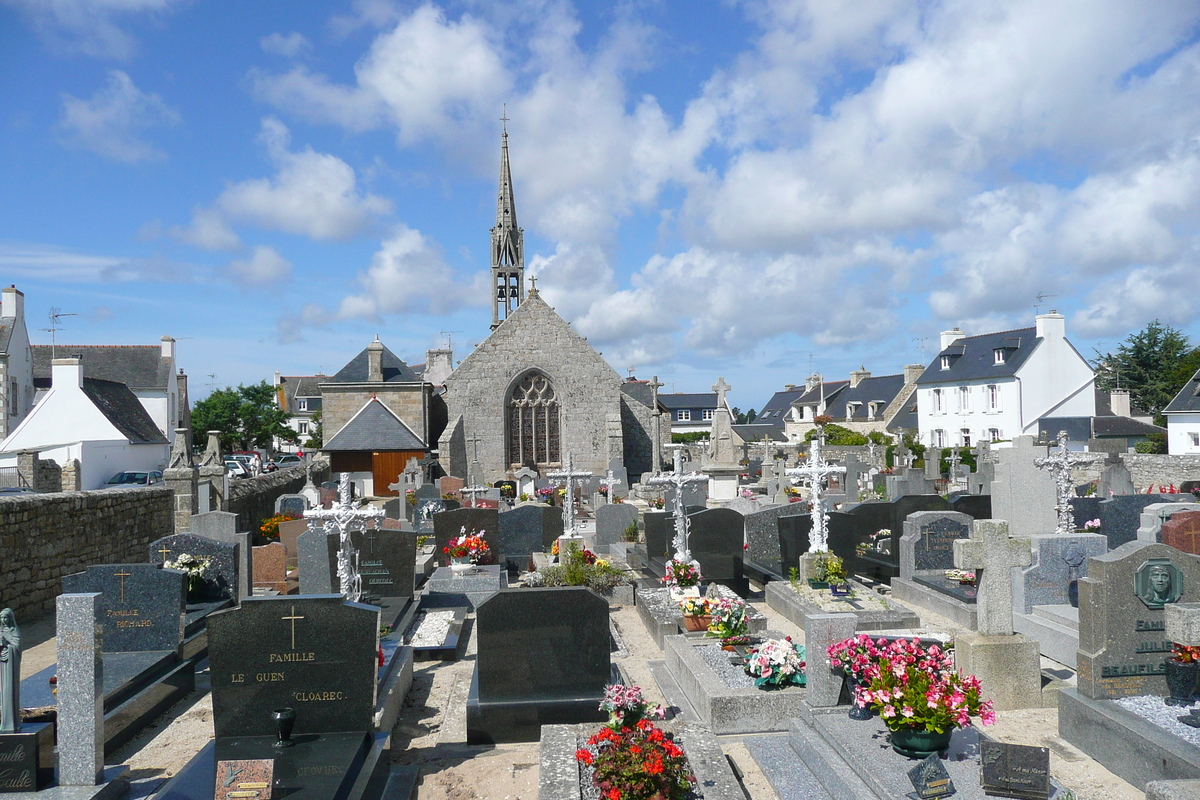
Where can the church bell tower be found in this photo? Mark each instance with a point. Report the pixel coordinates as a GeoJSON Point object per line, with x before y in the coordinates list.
{"type": "Point", "coordinates": [508, 246]}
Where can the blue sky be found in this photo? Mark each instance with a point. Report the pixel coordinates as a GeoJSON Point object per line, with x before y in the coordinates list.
{"type": "Point", "coordinates": [753, 190]}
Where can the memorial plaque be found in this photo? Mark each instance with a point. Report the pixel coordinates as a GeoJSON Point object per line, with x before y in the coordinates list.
{"type": "Point", "coordinates": [244, 780]}
{"type": "Point", "coordinates": [387, 561]}
{"type": "Point", "coordinates": [930, 779]}
{"type": "Point", "coordinates": [313, 654]}
{"type": "Point", "coordinates": [1014, 770]}
{"type": "Point", "coordinates": [142, 606]}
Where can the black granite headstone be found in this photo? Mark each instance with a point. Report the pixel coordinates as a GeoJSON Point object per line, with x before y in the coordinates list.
{"type": "Point", "coordinates": [976, 506]}
{"type": "Point", "coordinates": [1084, 509]}
{"type": "Point", "coordinates": [935, 547]}
{"type": "Point", "coordinates": [880, 559]}
{"type": "Point", "coordinates": [294, 504]}
{"type": "Point", "coordinates": [793, 540]}
{"type": "Point", "coordinates": [527, 529]}
{"type": "Point", "coordinates": [141, 607]}
{"type": "Point", "coordinates": [222, 578]}
{"type": "Point", "coordinates": [476, 521]}
{"type": "Point", "coordinates": [1121, 516]}
{"type": "Point", "coordinates": [387, 562]}
{"type": "Point", "coordinates": [660, 531]}
{"type": "Point", "coordinates": [1014, 770]}
{"type": "Point", "coordinates": [715, 538]}
{"type": "Point", "coordinates": [316, 654]}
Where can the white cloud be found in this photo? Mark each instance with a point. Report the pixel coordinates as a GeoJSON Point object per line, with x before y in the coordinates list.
{"type": "Point", "coordinates": [407, 274]}
{"type": "Point", "coordinates": [311, 194]}
{"type": "Point", "coordinates": [1124, 304]}
{"type": "Point", "coordinates": [265, 267]}
{"type": "Point", "coordinates": [89, 26]}
{"type": "Point", "coordinates": [288, 45]}
{"type": "Point", "coordinates": [110, 122]}
{"type": "Point", "coordinates": [43, 262]}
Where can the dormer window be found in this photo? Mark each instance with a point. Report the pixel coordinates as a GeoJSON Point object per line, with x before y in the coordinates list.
{"type": "Point", "coordinates": [998, 354]}
{"type": "Point", "coordinates": [301, 404]}
{"type": "Point", "coordinates": [945, 362]}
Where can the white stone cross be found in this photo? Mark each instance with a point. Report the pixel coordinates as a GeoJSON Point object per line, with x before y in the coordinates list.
{"type": "Point", "coordinates": [679, 479]}
{"type": "Point", "coordinates": [1059, 463]}
{"type": "Point", "coordinates": [343, 518]}
{"type": "Point", "coordinates": [955, 458]}
{"type": "Point", "coordinates": [993, 555]}
{"type": "Point", "coordinates": [474, 492]}
{"type": "Point", "coordinates": [721, 387]}
{"type": "Point", "coordinates": [814, 472]}
{"type": "Point", "coordinates": [608, 482]}
{"type": "Point", "coordinates": [568, 476]}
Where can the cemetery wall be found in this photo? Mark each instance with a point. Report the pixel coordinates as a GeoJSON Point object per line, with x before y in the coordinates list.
{"type": "Point", "coordinates": [46, 536]}
{"type": "Point", "coordinates": [253, 499]}
{"type": "Point", "coordinates": [1146, 469]}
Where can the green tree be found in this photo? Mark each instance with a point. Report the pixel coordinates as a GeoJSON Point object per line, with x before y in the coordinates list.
{"type": "Point", "coordinates": [838, 435]}
{"type": "Point", "coordinates": [1153, 364]}
{"type": "Point", "coordinates": [247, 417]}
{"type": "Point", "coordinates": [316, 433]}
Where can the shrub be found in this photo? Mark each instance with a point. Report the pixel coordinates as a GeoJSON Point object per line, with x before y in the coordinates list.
{"type": "Point", "coordinates": [631, 532]}
{"type": "Point", "coordinates": [270, 526]}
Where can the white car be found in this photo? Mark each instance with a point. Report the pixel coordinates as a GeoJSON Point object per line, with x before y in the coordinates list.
{"type": "Point", "coordinates": [237, 469]}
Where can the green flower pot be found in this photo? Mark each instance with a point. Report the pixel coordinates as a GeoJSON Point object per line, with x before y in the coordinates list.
{"type": "Point", "coordinates": [920, 744]}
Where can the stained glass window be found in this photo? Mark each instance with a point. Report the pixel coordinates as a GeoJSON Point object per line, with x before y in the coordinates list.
{"type": "Point", "coordinates": [533, 422]}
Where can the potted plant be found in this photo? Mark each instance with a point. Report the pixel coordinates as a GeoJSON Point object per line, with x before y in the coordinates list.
{"type": "Point", "coordinates": [728, 620]}
{"type": "Point", "coordinates": [270, 526]}
{"type": "Point", "coordinates": [776, 663]}
{"type": "Point", "coordinates": [465, 551]}
{"type": "Point", "coordinates": [921, 698]}
{"type": "Point", "coordinates": [828, 569]}
{"type": "Point", "coordinates": [853, 657]}
{"type": "Point", "coordinates": [626, 706]}
{"type": "Point", "coordinates": [696, 613]}
{"type": "Point", "coordinates": [1183, 675]}
{"type": "Point", "coordinates": [683, 579]}
{"type": "Point", "coordinates": [631, 532]}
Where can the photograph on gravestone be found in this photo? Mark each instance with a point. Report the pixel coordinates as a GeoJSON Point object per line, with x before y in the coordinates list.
{"type": "Point", "coordinates": [142, 606]}
{"type": "Point", "coordinates": [314, 654]}
{"type": "Point", "coordinates": [219, 579]}
{"type": "Point", "coordinates": [1014, 770]}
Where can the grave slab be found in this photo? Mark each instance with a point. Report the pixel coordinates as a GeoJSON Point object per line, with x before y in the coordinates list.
{"type": "Point", "coordinates": [872, 611]}
{"type": "Point", "coordinates": [447, 589]}
{"type": "Point", "coordinates": [660, 614]}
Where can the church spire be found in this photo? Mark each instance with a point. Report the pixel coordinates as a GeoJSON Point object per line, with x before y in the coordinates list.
{"type": "Point", "coordinates": [508, 244]}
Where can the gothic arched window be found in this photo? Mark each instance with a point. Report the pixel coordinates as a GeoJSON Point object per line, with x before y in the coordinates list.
{"type": "Point", "coordinates": [533, 432]}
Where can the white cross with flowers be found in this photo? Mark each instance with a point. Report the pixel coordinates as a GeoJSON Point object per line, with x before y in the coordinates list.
{"type": "Point", "coordinates": [568, 477]}
{"type": "Point", "coordinates": [343, 518]}
{"type": "Point", "coordinates": [1059, 463]}
{"type": "Point", "coordinates": [814, 472]}
{"type": "Point", "coordinates": [679, 479]}
{"type": "Point", "coordinates": [608, 482]}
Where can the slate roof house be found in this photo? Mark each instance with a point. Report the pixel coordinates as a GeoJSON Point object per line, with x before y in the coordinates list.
{"type": "Point", "coordinates": [101, 423]}
{"type": "Point", "coordinates": [690, 413]}
{"type": "Point", "coordinates": [300, 397]}
{"type": "Point", "coordinates": [16, 361]}
{"type": "Point", "coordinates": [999, 385]}
{"type": "Point", "coordinates": [1183, 419]}
{"type": "Point", "coordinates": [864, 403]}
{"type": "Point", "coordinates": [1115, 423]}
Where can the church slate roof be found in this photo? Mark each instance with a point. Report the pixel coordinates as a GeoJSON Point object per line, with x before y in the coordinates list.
{"type": "Point", "coordinates": [137, 366]}
{"type": "Point", "coordinates": [375, 428]}
{"type": "Point", "coordinates": [973, 357]}
{"type": "Point", "coordinates": [394, 369]}
{"type": "Point", "coordinates": [1188, 398]}
{"type": "Point", "coordinates": [121, 407]}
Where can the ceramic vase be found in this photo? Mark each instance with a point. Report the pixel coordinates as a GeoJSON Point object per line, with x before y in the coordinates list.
{"type": "Point", "coordinates": [460, 565]}
{"type": "Point", "coordinates": [693, 623]}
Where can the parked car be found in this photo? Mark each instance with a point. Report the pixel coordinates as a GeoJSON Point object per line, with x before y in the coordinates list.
{"type": "Point", "coordinates": [287, 460]}
{"type": "Point", "coordinates": [7, 490]}
{"type": "Point", "coordinates": [237, 469]}
{"type": "Point", "coordinates": [126, 480]}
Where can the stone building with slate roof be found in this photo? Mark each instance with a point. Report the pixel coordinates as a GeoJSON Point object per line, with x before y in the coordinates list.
{"type": "Point", "coordinates": [101, 423]}
{"type": "Point", "coordinates": [999, 385]}
{"type": "Point", "coordinates": [1183, 419]}
{"type": "Point", "coordinates": [150, 372]}
{"type": "Point", "coordinates": [690, 412]}
{"type": "Point", "coordinates": [16, 361]}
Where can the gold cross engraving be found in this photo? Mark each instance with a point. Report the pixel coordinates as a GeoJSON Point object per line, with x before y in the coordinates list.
{"type": "Point", "coordinates": [162, 551]}
{"type": "Point", "coordinates": [293, 618]}
{"type": "Point", "coordinates": [122, 576]}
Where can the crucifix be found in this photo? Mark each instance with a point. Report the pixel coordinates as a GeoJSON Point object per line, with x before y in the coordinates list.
{"type": "Point", "coordinates": [1059, 463]}
{"type": "Point", "coordinates": [815, 471]}
{"type": "Point", "coordinates": [474, 492]}
{"type": "Point", "coordinates": [342, 519]}
{"type": "Point", "coordinates": [721, 387]}
{"type": "Point", "coordinates": [122, 576]}
{"type": "Point", "coordinates": [568, 476]}
{"type": "Point", "coordinates": [608, 482]}
{"type": "Point", "coordinates": [474, 440]}
{"type": "Point", "coordinates": [655, 426]}
{"type": "Point", "coordinates": [293, 617]}
{"type": "Point", "coordinates": [678, 478]}
{"type": "Point", "coordinates": [955, 458]}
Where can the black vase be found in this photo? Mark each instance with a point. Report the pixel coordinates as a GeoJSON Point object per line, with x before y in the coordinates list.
{"type": "Point", "coordinates": [856, 711]}
{"type": "Point", "coordinates": [1183, 682]}
{"type": "Point", "coordinates": [285, 719]}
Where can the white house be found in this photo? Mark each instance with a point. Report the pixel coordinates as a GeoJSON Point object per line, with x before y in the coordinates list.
{"type": "Point", "coordinates": [998, 385]}
{"type": "Point", "coordinates": [1183, 419]}
{"type": "Point", "coordinates": [101, 423]}
{"type": "Point", "coordinates": [300, 397]}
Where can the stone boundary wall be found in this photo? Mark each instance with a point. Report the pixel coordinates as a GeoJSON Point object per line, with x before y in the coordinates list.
{"type": "Point", "coordinates": [46, 536]}
{"type": "Point", "coordinates": [253, 499]}
{"type": "Point", "coordinates": [1146, 469]}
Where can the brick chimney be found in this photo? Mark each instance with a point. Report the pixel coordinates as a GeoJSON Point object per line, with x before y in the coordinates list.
{"type": "Point", "coordinates": [858, 376]}
{"type": "Point", "coordinates": [375, 361]}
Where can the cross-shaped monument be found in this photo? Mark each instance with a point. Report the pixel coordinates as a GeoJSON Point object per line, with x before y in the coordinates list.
{"type": "Point", "coordinates": [343, 518]}
{"type": "Point", "coordinates": [608, 482]}
{"type": "Point", "coordinates": [992, 554]}
{"type": "Point", "coordinates": [955, 458]}
{"type": "Point", "coordinates": [815, 472]}
{"type": "Point", "coordinates": [721, 387]}
{"type": "Point", "coordinates": [655, 426]}
{"type": "Point", "coordinates": [678, 478]}
{"type": "Point", "coordinates": [1059, 463]}
{"type": "Point", "coordinates": [568, 476]}
{"type": "Point", "coordinates": [474, 492]}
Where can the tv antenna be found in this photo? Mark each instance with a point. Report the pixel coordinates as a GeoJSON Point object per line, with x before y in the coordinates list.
{"type": "Point", "coordinates": [449, 341]}
{"type": "Point", "coordinates": [1041, 301]}
{"type": "Point", "coordinates": [921, 340]}
{"type": "Point", "coordinates": [56, 316]}
{"type": "Point", "coordinates": [212, 382]}
{"type": "Point", "coordinates": [631, 371]}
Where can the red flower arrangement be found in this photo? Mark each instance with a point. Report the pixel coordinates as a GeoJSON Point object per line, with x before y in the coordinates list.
{"type": "Point", "coordinates": [637, 763]}
{"type": "Point", "coordinates": [464, 546]}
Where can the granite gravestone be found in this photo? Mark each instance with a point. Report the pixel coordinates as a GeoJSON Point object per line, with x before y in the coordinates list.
{"type": "Point", "coordinates": [387, 562]}
{"type": "Point", "coordinates": [1014, 770]}
{"type": "Point", "coordinates": [313, 654]}
{"type": "Point", "coordinates": [317, 561]}
{"type": "Point", "coordinates": [1023, 495]}
{"type": "Point", "coordinates": [1114, 478]}
{"type": "Point", "coordinates": [621, 490]}
{"type": "Point", "coordinates": [80, 671]}
{"type": "Point", "coordinates": [927, 545]}
{"type": "Point", "coordinates": [527, 529]}
{"type": "Point", "coordinates": [762, 533]}
{"type": "Point", "coordinates": [1121, 516]}
{"type": "Point", "coordinates": [221, 580]}
{"type": "Point", "coordinates": [474, 521]}
{"type": "Point", "coordinates": [450, 485]}
{"type": "Point", "coordinates": [715, 539]}
{"type": "Point", "coordinates": [854, 534]}
{"type": "Point", "coordinates": [1153, 517]}
{"type": "Point", "coordinates": [270, 567]}
{"type": "Point", "coordinates": [221, 526]}
{"type": "Point", "coordinates": [976, 506]}
{"type": "Point", "coordinates": [660, 531]}
{"type": "Point", "coordinates": [543, 658]}
{"type": "Point", "coordinates": [1059, 562]}
{"type": "Point", "coordinates": [611, 521]}
{"type": "Point", "coordinates": [1182, 531]}
{"type": "Point", "coordinates": [1084, 510]}
{"type": "Point", "coordinates": [142, 606]}
{"type": "Point", "coordinates": [293, 504]}
{"type": "Point", "coordinates": [1122, 642]}
{"type": "Point", "coordinates": [793, 540]}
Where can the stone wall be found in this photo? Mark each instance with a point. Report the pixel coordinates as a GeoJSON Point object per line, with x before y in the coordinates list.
{"type": "Point", "coordinates": [46, 536]}
{"type": "Point", "coordinates": [1146, 469]}
{"type": "Point", "coordinates": [253, 499]}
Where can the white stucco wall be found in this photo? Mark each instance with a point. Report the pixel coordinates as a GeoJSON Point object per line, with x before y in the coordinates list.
{"type": "Point", "coordinates": [1180, 428]}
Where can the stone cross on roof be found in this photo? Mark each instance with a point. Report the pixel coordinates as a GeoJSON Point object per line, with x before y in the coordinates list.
{"type": "Point", "coordinates": [721, 387]}
{"type": "Point", "coordinates": [814, 472]}
{"type": "Point", "coordinates": [343, 518]}
{"type": "Point", "coordinates": [992, 554]}
{"type": "Point", "coordinates": [1059, 464]}
{"type": "Point", "coordinates": [568, 476]}
{"type": "Point", "coordinates": [679, 479]}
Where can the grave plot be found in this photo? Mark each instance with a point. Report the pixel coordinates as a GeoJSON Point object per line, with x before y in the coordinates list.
{"type": "Point", "coordinates": [660, 614]}
{"type": "Point", "coordinates": [434, 633]}
{"type": "Point", "coordinates": [215, 588]}
{"type": "Point", "coordinates": [926, 553]}
{"type": "Point", "coordinates": [872, 611]}
{"type": "Point", "coordinates": [141, 614]}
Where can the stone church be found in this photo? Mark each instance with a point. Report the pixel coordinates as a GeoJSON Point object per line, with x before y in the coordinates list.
{"type": "Point", "coordinates": [535, 391]}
